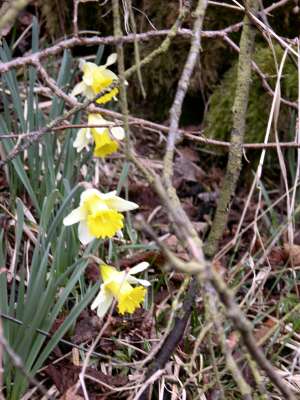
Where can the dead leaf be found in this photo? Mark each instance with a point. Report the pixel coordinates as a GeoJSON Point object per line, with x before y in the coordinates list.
{"type": "Point", "coordinates": [188, 153]}
{"type": "Point", "coordinates": [262, 331]}
{"type": "Point", "coordinates": [143, 194]}
{"type": "Point", "coordinates": [92, 273]}
{"type": "Point", "coordinates": [292, 252]}
{"type": "Point", "coordinates": [65, 375]}
{"type": "Point", "coordinates": [187, 170]}
{"type": "Point", "coordinates": [277, 256]}
{"type": "Point", "coordinates": [87, 327]}
{"type": "Point", "coordinates": [70, 394]}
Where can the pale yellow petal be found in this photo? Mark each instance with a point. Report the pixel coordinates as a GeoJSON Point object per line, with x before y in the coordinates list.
{"type": "Point", "coordinates": [75, 216]}
{"type": "Point", "coordinates": [142, 266]}
{"type": "Point", "coordinates": [78, 89]}
{"type": "Point", "coordinates": [102, 302]}
{"type": "Point", "coordinates": [119, 204]}
{"type": "Point", "coordinates": [84, 234]}
{"type": "Point", "coordinates": [117, 132]}
{"type": "Point", "coordinates": [111, 59]}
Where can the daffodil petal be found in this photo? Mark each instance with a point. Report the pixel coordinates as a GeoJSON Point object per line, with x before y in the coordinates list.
{"type": "Point", "coordinates": [78, 89]}
{"type": "Point", "coordinates": [108, 195]}
{"type": "Point", "coordinates": [88, 193]}
{"type": "Point", "coordinates": [102, 302]}
{"type": "Point", "coordinates": [120, 235]}
{"type": "Point", "coordinates": [139, 268]}
{"type": "Point", "coordinates": [75, 216]}
{"type": "Point", "coordinates": [109, 273]}
{"type": "Point", "coordinates": [84, 234]}
{"type": "Point", "coordinates": [111, 59]}
{"type": "Point", "coordinates": [89, 93]}
{"type": "Point", "coordinates": [82, 139]}
{"type": "Point", "coordinates": [108, 74]}
{"type": "Point", "coordinates": [136, 281]}
{"type": "Point", "coordinates": [81, 64]}
{"type": "Point", "coordinates": [117, 132]}
{"type": "Point", "coordinates": [89, 69]}
{"type": "Point", "coordinates": [95, 118]}
{"type": "Point", "coordinates": [119, 204]}
{"type": "Point", "coordinates": [98, 299]}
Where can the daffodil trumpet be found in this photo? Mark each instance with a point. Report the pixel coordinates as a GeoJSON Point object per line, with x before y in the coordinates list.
{"type": "Point", "coordinates": [105, 138]}
{"type": "Point", "coordinates": [99, 215]}
{"type": "Point", "coordinates": [118, 285]}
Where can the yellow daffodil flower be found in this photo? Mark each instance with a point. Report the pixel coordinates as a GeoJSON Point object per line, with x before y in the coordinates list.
{"type": "Point", "coordinates": [96, 78]}
{"type": "Point", "coordinates": [118, 284]}
{"type": "Point", "coordinates": [99, 215]}
{"type": "Point", "coordinates": [104, 137]}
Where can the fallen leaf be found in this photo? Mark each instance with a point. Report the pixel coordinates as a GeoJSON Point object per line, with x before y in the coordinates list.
{"type": "Point", "coordinates": [87, 327]}
{"type": "Point", "coordinates": [92, 273]}
{"type": "Point", "coordinates": [187, 169]}
{"type": "Point", "coordinates": [292, 252]}
{"type": "Point", "coordinates": [70, 394]}
{"type": "Point", "coordinates": [262, 331]}
{"type": "Point", "coordinates": [277, 256]}
{"type": "Point", "coordinates": [65, 375]}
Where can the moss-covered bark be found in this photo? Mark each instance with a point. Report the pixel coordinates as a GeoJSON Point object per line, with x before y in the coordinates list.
{"type": "Point", "coordinates": [218, 120]}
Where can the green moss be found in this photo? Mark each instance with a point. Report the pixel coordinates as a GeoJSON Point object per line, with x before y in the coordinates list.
{"type": "Point", "coordinates": [218, 119]}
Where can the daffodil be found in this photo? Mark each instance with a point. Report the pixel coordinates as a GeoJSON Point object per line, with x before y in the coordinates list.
{"type": "Point", "coordinates": [99, 215]}
{"type": "Point", "coordinates": [96, 78]}
{"type": "Point", "coordinates": [104, 137]}
{"type": "Point", "coordinates": [118, 285]}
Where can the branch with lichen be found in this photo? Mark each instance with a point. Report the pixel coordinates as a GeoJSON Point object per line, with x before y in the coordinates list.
{"type": "Point", "coordinates": [237, 134]}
